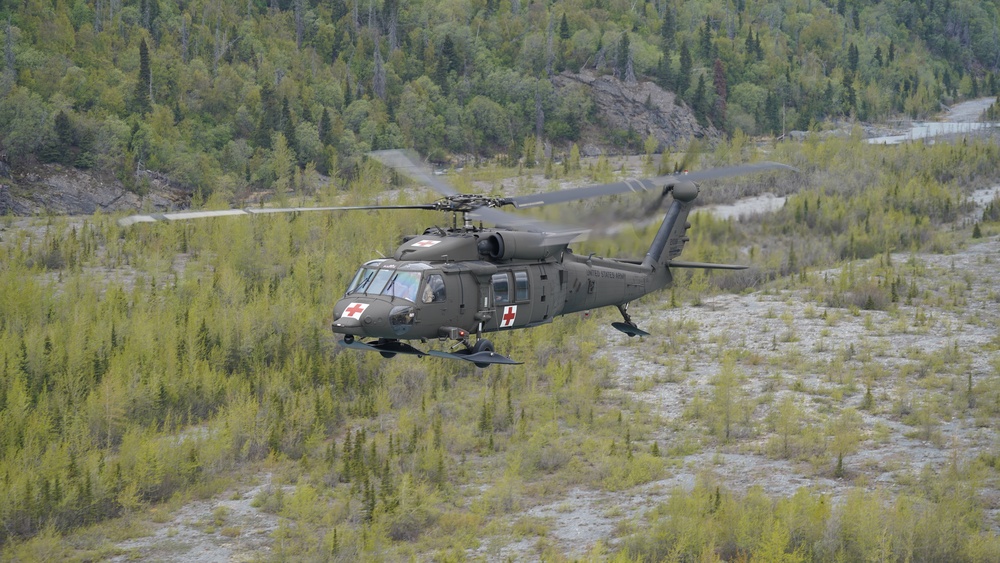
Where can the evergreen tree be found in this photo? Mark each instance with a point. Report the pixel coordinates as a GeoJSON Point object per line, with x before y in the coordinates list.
{"type": "Point", "coordinates": [64, 130]}
{"type": "Point", "coordinates": [270, 117]}
{"type": "Point", "coordinates": [849, 99]}
{"type": "Point", "coordinates": [852, 58]}
{"type": "Point", "coordinates": [564, 28]}
{"type": "Point", "coordinates": [668, 28]}
{"type": "Point", "coordinates": [449, 56]}
{"type": "Point", "coordinates": [325, 128]}
{"type": "Point", "coordinates": [684, 74]}
{"type": "Point", "coordinates": [142, 101]}
{"type": "Point", "coordinates": [721, 93]}
{"type": "Point", "coordinates": [772, 116]}
{"type": "Point", "coordinates": [699, 102]}
{"type": "Point", "coordinates": [663, 75]}
{"type": "Point", "coordinates": [622, 60]}
{"type": "Point", "coordinates": [705, 39]}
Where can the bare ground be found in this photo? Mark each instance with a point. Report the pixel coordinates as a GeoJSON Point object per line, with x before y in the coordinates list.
{"type": "Point", "coordinates": [227, 527]}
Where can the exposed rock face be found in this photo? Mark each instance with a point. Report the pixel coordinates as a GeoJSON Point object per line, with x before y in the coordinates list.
{"type": "Point", "coordinates": [52, 188]}
{"type": "Point", "coordinates": [6, 201]}
{"type": "Point", "coordinates": [644, 107]}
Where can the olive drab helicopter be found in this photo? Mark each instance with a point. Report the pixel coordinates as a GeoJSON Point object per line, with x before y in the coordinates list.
{"type": "Point", "coordinates": [448, 284]}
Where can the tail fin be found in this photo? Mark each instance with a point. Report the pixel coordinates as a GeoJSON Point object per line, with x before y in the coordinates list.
{"type": "Point", "coordinates": [670, 239]}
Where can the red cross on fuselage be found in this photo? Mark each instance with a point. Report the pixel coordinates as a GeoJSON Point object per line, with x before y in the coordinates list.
{"type": "Point", "coordinates": [509, 314]}
{"type": "Point", "coordinates": [354, 309]}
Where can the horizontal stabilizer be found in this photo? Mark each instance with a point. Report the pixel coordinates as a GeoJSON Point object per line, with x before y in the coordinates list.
{"type": "Point", "coordinates": [630, 329]}
{"type": "Point", "coordinates": [705, 265]}
{"type": "Point", "coordinates": [481, 359]}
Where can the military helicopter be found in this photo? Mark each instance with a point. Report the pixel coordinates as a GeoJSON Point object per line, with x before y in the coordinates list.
{"type": "Point", "coordinates": [450, 284]}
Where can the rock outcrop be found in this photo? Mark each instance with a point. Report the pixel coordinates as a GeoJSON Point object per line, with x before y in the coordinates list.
{"type": "Point", "coordinates": [643, 107]}
{"type": "Point", "coordinates": [53, 188]}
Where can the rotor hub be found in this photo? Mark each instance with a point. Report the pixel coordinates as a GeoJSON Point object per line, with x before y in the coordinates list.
{"type": "Point", "coordinates": [464, 203]}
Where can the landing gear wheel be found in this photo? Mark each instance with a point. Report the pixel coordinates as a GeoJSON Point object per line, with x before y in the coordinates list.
{"type": "Point", "coordinates": [348, 339]}
{"type": "Point", "coordinates": [388, 354]}
{"type": "Point", "coordinates": [482, 345]}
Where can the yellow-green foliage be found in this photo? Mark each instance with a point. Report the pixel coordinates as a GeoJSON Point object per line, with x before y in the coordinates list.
{"type": "Point", "coordinates": [710, 522]}
{"type": "Point", "coordinates": [138, 364]}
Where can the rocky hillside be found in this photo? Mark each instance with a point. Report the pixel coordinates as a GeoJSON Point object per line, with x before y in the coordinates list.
{"type": "Point", "coordinates": [642, 107]}
{"type": "Point", "coordinates": [57, 189]}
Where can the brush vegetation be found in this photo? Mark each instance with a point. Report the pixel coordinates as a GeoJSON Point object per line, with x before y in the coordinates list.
{"type": "Point", "coordinates": [146, 365]}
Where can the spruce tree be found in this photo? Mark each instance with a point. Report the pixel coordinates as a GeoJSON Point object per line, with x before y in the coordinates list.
{"type": "Point", "coordinates": [699, 101]}
{"type": "Point", "coordinates": [621, 61]}
{"type": "Point", "coordinates": [269, 118]}
{"type": "Point", "coordinates": [684, 74]}
{"type": "Point", "coordinates": [142, 101]}
{"type": "Point", "coordinates": [852, 58]}
{"type": "Point", "coordinates": [705, 39]}
{"type": "Point", "coordinates": [668, 29]}
{"type": "Point", "coordinates": [721, 93]}
{"type": "Point", "coordinates": [325, 128]}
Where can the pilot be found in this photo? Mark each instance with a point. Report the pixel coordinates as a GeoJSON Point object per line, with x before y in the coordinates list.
{"type": "Point", "coordinates": [407, 286]}
{"type": "Point", "coordinates": [428, 296]}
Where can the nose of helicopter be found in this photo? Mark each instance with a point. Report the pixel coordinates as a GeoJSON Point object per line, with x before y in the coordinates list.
{"type": "Point", "coordinates": [372, 317]}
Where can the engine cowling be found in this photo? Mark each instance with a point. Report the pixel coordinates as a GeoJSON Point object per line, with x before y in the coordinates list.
{"type": "Point", "coordinates": [516, 245]}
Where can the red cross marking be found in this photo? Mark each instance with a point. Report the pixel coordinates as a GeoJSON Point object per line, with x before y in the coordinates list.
{"type": "Point", "coordinates": [354, 310]}
{"type": "Point", "coordinates": [426, 243]}
{"type": "Point", "coordinates": [509, 314]}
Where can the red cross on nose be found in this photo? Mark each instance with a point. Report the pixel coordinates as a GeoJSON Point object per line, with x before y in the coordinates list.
{"type": "Point", "coordinates": [354, 310]}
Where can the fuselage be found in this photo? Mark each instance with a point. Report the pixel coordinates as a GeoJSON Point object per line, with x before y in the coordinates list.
{"type": "Point", "coordinates": [441, 285]}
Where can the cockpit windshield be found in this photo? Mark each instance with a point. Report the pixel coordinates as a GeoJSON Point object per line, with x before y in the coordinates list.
{"type": "Point", "coordinates": [389, 281]}
{"type": "Point", "coordinates": [404, 285]}
{"type": "Point", "coordinates": [363, 279]}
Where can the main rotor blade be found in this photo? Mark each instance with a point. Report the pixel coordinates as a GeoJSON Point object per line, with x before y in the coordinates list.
{"type": "Point", "coordinates": [185, 215]}
{"type": "Point", "coordinates": [409, 164]}
{"type": "Point", "coordinates": [643, 185]}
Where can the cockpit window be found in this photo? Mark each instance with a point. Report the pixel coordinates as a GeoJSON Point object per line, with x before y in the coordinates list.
{"type": "Point", "coordinates": [403, 285]}
{"type": "Point", "coordinates": [364, 277]}
{"type": "Point", "coordinates": [392, 279]}
{"type": "Point", "coordinates": [378, 282]}
{"type": "Point", "coordinates": [434, 290]}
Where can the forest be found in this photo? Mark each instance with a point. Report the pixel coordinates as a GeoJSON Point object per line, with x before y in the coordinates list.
{"type": "Point", "coordinates": [233, 97]}
{"type": "Point", "coordinates": [150, 366]}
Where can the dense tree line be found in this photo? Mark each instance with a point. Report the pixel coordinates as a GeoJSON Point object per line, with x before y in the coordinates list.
{"type": "Point", "coordinates": [229, 96]}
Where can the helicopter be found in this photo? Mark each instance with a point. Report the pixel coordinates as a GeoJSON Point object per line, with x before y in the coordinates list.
{"type": "Point", "coordinates": [448, 284]}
